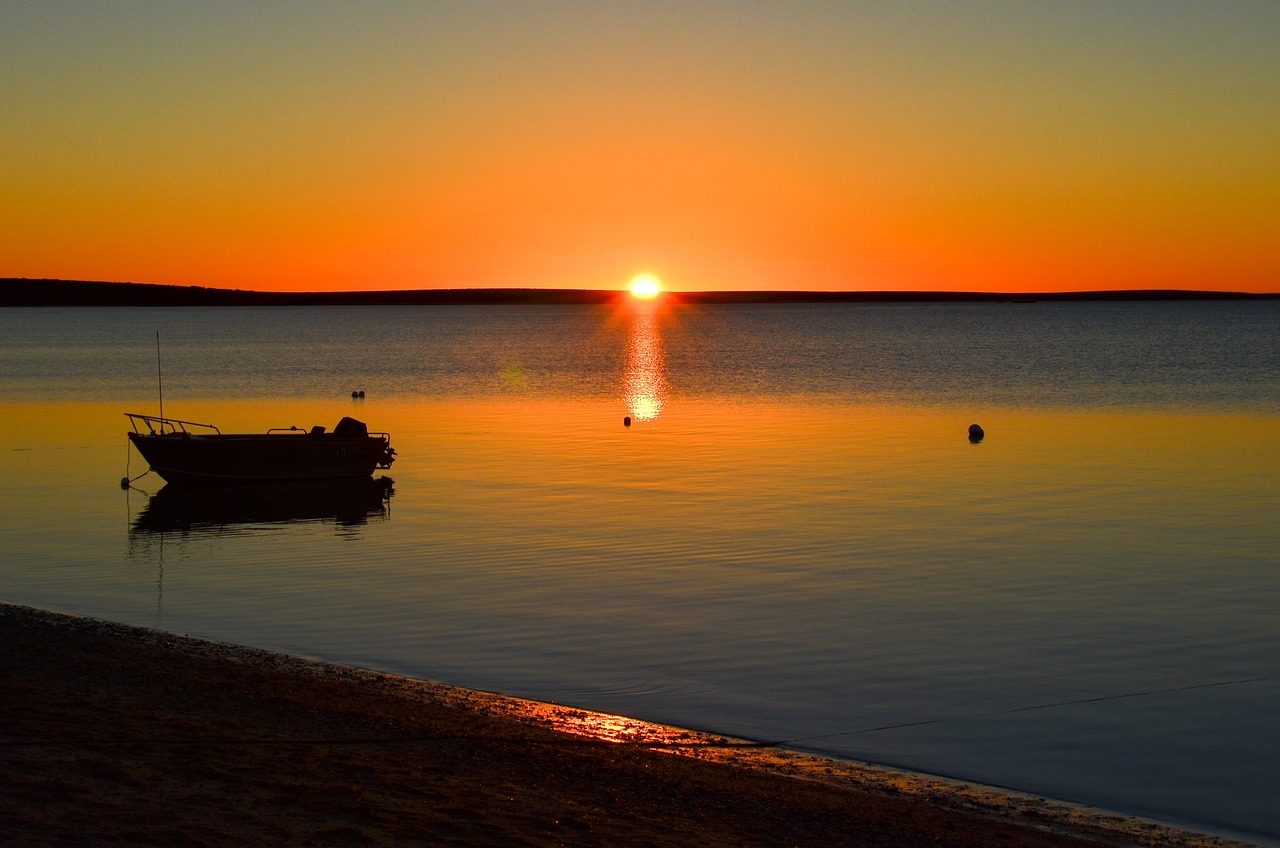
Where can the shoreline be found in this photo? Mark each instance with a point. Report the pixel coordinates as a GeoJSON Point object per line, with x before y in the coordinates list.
{"type": "Point", "coordinates": [19, 292]}
{"type": "Point", "coordinates": [108, 729]}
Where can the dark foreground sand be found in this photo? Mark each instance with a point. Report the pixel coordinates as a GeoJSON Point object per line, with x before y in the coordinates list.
{"type": "Point", "coordinates": [117, 735]}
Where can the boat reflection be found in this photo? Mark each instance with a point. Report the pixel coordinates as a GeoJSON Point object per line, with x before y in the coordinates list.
{"type": "Point", "coordinates": [644, 382]}
{"type": "Point", "coordinates": [347, 503]}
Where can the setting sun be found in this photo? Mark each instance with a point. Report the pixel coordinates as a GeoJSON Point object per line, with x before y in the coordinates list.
{"type": "Point", "coordinates": [646, 286]}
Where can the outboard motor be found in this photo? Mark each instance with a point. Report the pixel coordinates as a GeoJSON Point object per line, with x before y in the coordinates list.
{"type": "Point", "coordinates": [349, 428]}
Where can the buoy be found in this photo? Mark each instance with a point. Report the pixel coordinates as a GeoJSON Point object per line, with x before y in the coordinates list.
{"type": "Point", "coordinates": [124, 482]}
{"type": "Point", "coordinates": [975, 433]}
{"type": "Point", "coordinates": [626, 421]}
{"type": "Point", "coordinates": [355, 394]}
{"type": "Point", "coordinates": [362, 393]}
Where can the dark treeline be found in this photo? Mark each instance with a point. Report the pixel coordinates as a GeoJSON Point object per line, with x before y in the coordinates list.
{"type": "Point", "coordinates": [23, 292]}
{"type": "Point", "coordinates": [27, 292]}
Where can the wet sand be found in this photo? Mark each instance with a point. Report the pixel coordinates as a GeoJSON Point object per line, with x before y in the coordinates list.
{"type": "Point", "coordinates": [113, 734]}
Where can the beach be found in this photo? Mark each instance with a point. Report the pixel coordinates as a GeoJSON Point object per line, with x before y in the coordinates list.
{"type": "Point", "coordinates": [115, 734]}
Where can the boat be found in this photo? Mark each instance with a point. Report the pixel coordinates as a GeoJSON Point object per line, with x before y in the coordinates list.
{"type": "Point", "coordinates": [188, 452]}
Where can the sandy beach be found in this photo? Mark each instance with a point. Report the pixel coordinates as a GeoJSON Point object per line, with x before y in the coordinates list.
{"type": "Point", "coordinates": [118, 735]}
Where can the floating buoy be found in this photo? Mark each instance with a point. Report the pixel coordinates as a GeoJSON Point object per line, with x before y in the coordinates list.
{"type": "Point", "coordinates": [362, 393]}
{"type": "Point", "coordinates": [626, 421]}
{"type": "Point", "coordinates": [975, 433]}
{"type": "Point", "coordinates": [124, 482]}
{"type": "Point", "coordinates": [355, 394]}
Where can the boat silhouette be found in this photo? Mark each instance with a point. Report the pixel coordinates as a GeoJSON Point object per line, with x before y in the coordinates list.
{"type": "Point", "coordinates": [187, 452]}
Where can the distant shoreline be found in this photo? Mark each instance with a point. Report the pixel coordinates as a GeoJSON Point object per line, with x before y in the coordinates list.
{"type": "Point", "coordinates": [18, 291]}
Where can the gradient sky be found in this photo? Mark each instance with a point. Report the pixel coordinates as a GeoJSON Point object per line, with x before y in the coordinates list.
{"type": "Point", "coordinates": [988, 146]}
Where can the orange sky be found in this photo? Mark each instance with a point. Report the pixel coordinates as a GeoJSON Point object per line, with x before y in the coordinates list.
{"type": "Point", "coordinates": [933, 145]}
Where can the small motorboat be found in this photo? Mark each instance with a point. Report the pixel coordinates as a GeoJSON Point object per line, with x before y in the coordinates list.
{"type": "Point", "coordinates": [187, 452]}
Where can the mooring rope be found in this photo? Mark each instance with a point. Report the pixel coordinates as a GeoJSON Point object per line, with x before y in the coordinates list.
{"type": "Point", "coordinates": [127, 481]}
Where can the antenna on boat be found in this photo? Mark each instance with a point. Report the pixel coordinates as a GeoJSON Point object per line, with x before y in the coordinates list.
{"type": "Point", "coordinates": [159, 378]}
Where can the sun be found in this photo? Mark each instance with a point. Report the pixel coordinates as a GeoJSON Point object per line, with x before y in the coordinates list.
{"type": "Point", "coordinates": [646, 286]}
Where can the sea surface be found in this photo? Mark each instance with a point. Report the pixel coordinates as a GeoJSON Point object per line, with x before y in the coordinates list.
{"type": "Point", "coordinates": [794, 540]}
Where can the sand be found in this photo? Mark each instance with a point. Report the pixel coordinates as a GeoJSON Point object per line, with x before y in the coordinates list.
{"type": "Point", "coordinates": [119, 735]}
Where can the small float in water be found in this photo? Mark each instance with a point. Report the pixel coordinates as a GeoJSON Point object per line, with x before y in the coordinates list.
{"type": "Point", "coordinates": [187, 452]}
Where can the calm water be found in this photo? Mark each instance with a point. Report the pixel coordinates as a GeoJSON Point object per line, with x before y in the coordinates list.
{"type": "Point", "coordinates": [794, 540]}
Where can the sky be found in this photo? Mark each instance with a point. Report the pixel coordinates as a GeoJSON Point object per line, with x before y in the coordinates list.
{"type": "Point", "coordinates": [985, 146]}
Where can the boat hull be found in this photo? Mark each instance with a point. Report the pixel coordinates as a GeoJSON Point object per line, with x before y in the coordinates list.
{"type": "Point", "coordinates": [218, 458]}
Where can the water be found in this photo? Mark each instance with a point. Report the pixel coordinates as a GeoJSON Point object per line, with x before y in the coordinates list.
{"type": "Point", "coordinates": [793, 540]}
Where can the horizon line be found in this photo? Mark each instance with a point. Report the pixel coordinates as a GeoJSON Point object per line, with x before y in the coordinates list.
{"type": "Point", "coordinates": [24, 291]}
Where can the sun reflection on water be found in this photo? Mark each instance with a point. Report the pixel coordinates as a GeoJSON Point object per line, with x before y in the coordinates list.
{"type": "Point", "coordinates": [644, 384]}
